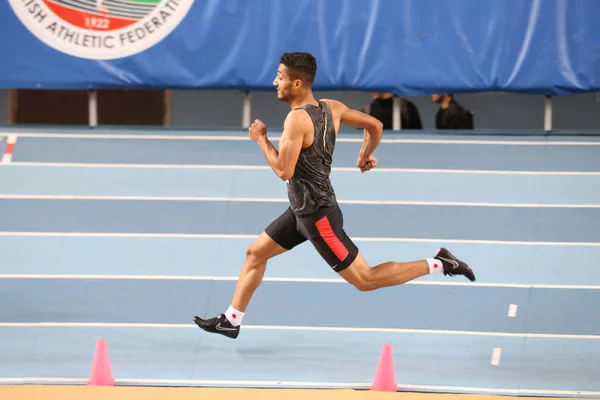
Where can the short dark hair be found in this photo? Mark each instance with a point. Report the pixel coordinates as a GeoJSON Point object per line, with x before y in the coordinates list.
{"type": "Point", "coordinates": [300, 65]}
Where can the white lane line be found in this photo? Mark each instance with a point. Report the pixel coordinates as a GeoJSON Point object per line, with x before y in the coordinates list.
{"type": "Point", "coordinates": [283, 200]}
{"type": "Point", "coordinates": [263, 167]}
{"type": "Point", "coordinates": [28, 380]}
{"type": "Point", "coordinates": [298, 384]}
{"type": "Point", "coordinates": [512, 310]}
{"type": "Point", "coordinates": [243, 236]}
{"type": "Point", "coordinates": [496, 354]}
{"type": "Point", "coordinates": [191, 325]}
{"type": "Point", "coordinates": [121, 136]}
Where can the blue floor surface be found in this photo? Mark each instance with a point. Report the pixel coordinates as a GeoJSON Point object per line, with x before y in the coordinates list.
{"type": "Point", "coordinates": [249, 218]}
{"type": "Point", "coordinates": [221, 152]}
{"type": "Point", "coordinates": [126, 264]}
{"type": "Point", "coordinates": [479, 309]}
{"type": "Point", "coordinates": [223, 257]}
{"type": "Point", "coordinates": [165, 354]}
{"type": "Point", "coordinates": [349, 185]}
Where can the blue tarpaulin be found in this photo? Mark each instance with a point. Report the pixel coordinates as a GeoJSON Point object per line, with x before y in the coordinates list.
{"type": "Point", "coordinates": [410, 47]}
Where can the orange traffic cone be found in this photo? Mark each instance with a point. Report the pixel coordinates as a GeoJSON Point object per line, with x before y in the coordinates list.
{"type": "Point", "coordinates": [101, 373]}
{"type": "Point", "coordinates": [385, 375]}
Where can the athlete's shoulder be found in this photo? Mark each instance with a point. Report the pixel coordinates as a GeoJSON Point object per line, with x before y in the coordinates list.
{"type": "Point", "coordinates": [338, 108]}
{"type": "Point", "coordinates": [297, 120]}
{"type": "Point", "coordinates": [334, 104]}
{"type": "Point", "coordinates": [297, 116]}
{"type": "Point", "coordinates": [352, 117]}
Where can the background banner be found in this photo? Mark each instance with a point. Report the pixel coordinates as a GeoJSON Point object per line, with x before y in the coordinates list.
{"type": "Point", "coordinates": [410, 47]}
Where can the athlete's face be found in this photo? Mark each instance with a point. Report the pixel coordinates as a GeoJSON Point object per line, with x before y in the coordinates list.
{"type": "Point", "coordinates": [286, 87]}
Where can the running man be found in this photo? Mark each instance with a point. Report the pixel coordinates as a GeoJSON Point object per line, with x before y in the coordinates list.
{"type": "Point", "coordinates": [304, 161]}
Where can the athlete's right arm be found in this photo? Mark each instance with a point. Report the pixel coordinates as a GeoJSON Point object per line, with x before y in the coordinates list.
{"type": "Point", "coordinates": [283, 161]}
{"type": "Point", "coordinates": [373, 128]}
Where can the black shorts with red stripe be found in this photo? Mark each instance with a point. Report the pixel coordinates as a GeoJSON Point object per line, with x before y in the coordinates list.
{"type": "Point", "coordinates": [324, 229]}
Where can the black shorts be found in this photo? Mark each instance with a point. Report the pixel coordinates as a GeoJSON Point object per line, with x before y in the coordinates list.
{"type": "Point", "coordinates": [324, 229]}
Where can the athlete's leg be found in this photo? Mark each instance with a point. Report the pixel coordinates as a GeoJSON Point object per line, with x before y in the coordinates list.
{"type": "Point", "coordinates": [253, 270]}
{"type": "Point", "coordinates": [280, 236]}
{"type": "Point", "coordinates": [326, 233]}
{"type": "Point", "coordinates": [391, 273]}
{"type": "Point", "coordinates": [364, 277]}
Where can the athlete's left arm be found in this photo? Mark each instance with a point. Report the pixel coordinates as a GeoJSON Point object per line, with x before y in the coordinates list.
{"type": "Point", "coordinates": [283, 162]}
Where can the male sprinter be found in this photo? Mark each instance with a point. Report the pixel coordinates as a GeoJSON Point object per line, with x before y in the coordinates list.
{"type": "Point", "coordinates": [304, 160]}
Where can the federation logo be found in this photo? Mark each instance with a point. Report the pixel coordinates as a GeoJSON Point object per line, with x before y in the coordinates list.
{"type": "Point", "coordinates": [101, 29]}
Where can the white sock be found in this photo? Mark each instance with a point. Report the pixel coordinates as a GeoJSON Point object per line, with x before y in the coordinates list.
{"type": "Point", "coordinates": [435, 266]}
{"type": "Point", "coordinates": [234, 316]}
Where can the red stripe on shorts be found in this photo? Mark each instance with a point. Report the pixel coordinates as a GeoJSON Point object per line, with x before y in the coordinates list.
{"type": "Point", "coordinates": [326, 232]}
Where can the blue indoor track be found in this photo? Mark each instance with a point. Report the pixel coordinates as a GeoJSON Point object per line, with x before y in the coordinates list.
{"type": "Point", "coordinates": [126, 235]}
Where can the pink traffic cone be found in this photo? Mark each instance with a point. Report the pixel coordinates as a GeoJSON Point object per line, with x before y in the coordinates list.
{"type": "Point", "coordinates": [385, 375]}
{"type": "Point", "coordinates": [101, 373]}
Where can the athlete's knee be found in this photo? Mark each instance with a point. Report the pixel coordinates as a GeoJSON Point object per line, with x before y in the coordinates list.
{"type": "Point", "coordinates": [360, 275]}
{"type": "Point", "coordinates": [362, 286]}
{"type": "Point", "coordinates": [365, 283]}
{"type": "Point", "coordinates": [254, 254]}
{"type": "Point", "coordinates": [258, 252]}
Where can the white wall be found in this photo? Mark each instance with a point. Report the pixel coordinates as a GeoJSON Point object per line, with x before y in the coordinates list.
{"type": "Point", "coordinates": [492, 110]}
{"type": "Point", "coordinates": [222, 109]}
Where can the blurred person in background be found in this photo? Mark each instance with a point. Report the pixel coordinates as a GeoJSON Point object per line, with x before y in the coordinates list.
{"type": "Point", "coordinates": [451, 115]}
{"type": "Point", "coordinates": [382, 108]}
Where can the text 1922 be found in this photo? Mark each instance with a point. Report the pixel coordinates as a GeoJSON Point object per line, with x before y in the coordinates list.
{"type": "Point", "coordinates": [97, 23]}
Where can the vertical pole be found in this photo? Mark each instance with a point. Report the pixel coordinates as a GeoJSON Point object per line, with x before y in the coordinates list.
{"type": "Point", "coordinates": [93, 108]}
{"type": "Point", "coordinates": [396, 121]}
{"type": "Point", "coordinates": [548, 114]}
{"type": "Point", "coordinates": [246, 110]}
{"type": "Point", "coordinates": [12, 106]}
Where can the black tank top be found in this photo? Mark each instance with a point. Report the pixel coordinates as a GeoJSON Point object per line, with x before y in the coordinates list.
{"type": "Point", "coordinates": [310, 187]}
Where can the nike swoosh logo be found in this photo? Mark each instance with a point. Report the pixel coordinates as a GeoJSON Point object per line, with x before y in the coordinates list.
{"type": "Point", "coordinates": [455, 263]}
{"type": "Point", "coordinates": [220, 328]}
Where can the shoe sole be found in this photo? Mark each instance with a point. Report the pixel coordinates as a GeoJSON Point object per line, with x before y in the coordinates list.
{"type": "Point", "coordinates": [469, 274]}
{"type": "Point", "coordinates": [196, 319]}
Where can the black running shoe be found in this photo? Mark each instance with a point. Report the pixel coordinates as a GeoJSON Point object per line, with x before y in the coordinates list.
{"type": "Point", "coordinates": [452, 265]}
{"type": "Point", "coordinates": [219, 325]}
